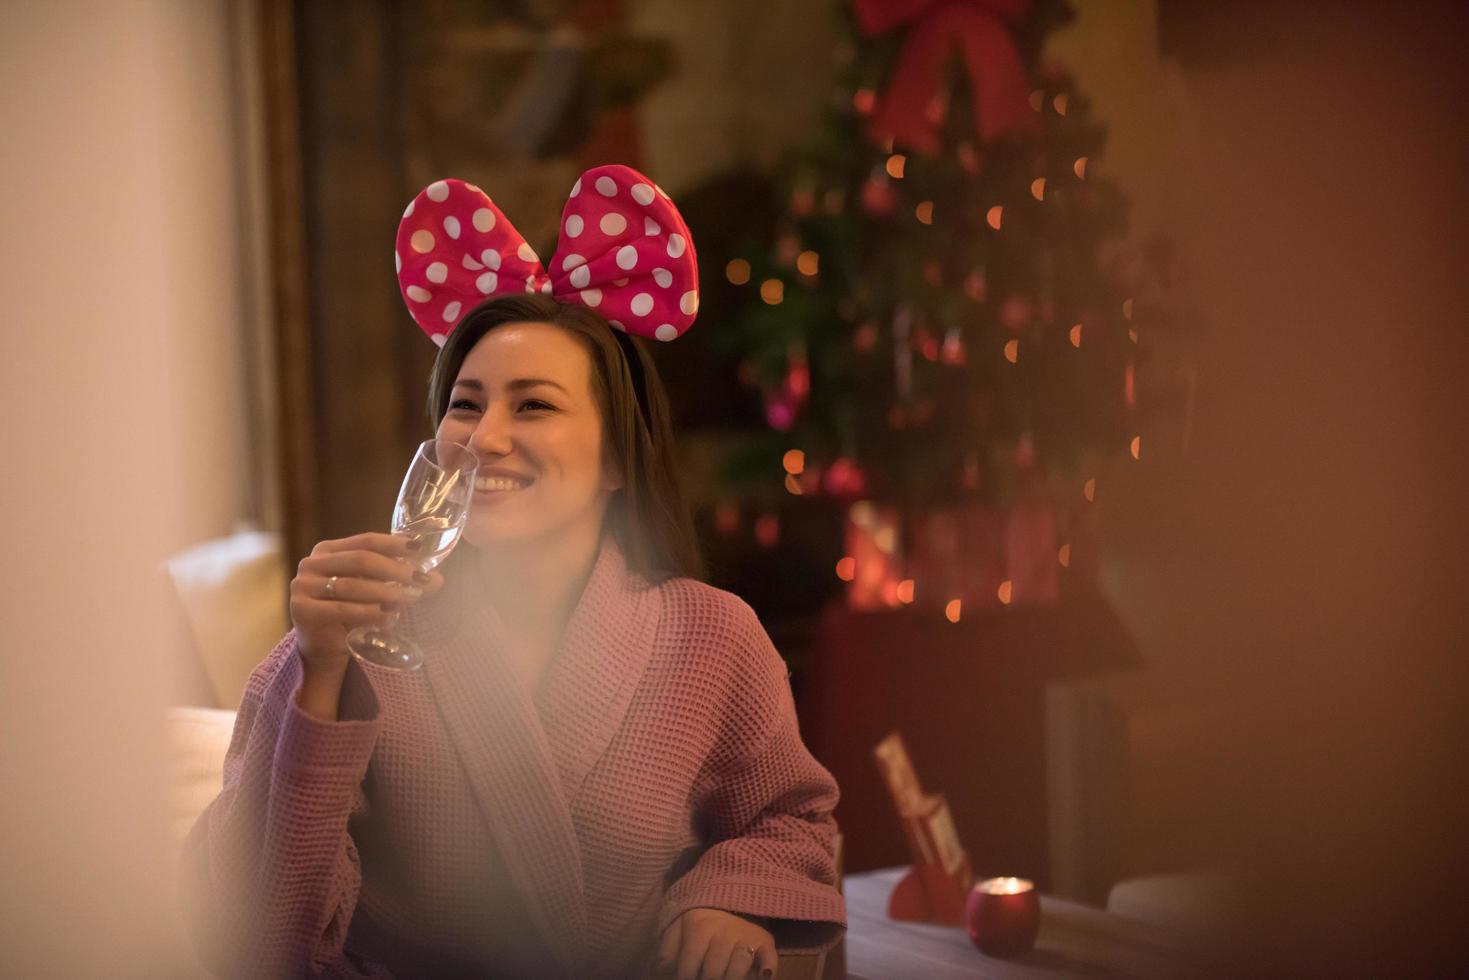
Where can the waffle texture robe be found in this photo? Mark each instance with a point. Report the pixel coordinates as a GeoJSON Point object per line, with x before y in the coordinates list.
{"type": "Point", "coordinates": [452, 823]}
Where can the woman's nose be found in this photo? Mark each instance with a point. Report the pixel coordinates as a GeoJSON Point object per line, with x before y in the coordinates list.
{"type": "Point", "coordinates": [492, 435]}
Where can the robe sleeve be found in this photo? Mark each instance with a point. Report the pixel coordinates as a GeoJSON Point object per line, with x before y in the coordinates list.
{"type": "Point", "coordinates": [767, 807]}
{"type": "Point", "coordinates": [270, 871]}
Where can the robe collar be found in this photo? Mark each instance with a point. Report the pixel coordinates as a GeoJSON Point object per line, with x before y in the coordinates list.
{"type": "Point", "coordinates": [526, 754]}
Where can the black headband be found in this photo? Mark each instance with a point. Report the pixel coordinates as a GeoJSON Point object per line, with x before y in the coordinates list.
{"type": "Point", "coordinates": [635, 369]}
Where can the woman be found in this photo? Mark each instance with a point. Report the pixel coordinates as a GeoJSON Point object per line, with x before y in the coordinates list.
{"type": "Point", "coordinates": [598, 772]}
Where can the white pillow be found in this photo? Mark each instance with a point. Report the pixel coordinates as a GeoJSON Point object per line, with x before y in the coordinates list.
{"type": "Point", "coordinates": [233, 594]}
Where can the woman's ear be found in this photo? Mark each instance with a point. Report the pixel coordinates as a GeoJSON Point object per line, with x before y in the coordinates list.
{"type": "Point", "coordinates": [611, 479]}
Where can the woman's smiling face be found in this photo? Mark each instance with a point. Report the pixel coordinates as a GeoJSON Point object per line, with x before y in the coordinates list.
{"type": "Point", "coordinates": [523, 401]}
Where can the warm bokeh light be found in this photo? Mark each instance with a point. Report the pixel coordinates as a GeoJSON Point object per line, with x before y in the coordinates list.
{"type": "Point", "coordinates": [1079, 168]}
{"type": "Point", "coordinates": [1063, 555]}
{"type": "Point", "coordinates": [793, 485]}
{"type": "Point", "coordinates": [1129, 385]}
{"type": "Point", "coordinates": [994, 215]}
{"type": "Point", "coordinates": [1005, 591]}
{"type": "Point", "coordinates": [808, 262]}
{"type": "Point", "coordinates": [1037, 100]}
{"type": "Point", "coordinates": [727, 519]}
{"type": "Point", "coordinates": [866, 337]}
{"type": "Point", "coordinates": [1137, 447]}
{"type": "Point", "coordinates": [969, 158]}
{"type": "Point", "coordinates": [767, 530]}
{"type": "Point", "coordinates": [975, 286]}
{"type": "Point", "coordinates": [847, 568]}
{"type": "Point", "coordinates": [1060, 102]}
{"type": "Point", "coordinates": [1076, 335]}
{"type": "Point", "coordinates": [1127, 308]}
{"type": "Point", "coordinates": [1132, 334]}
{"type": "Point", "coordinates": [1089, 490]}
{"type": "Point", "coordinates": [798, 379]}
{"type": "Point", "coordinates": [772, 291]}
{"type": "Point", "coordinates": [843, 476]}
{"type": "Point", "coordinates": [1038, 188]}
{"type": "Point", "coordinates": [952, 610]}
{"type": "Point", "coordinates": [895, 166]}
{"type": "Point", "coordinates": [737, 271]}
{"type": "Point", "coordinates": [890, 594]}
{"type": "Point", "coordinates": [864, 100]}
{"type": "Point", "coordinates": [1012, 350]}
{"type": "Point", "coordinates": [924, 212]}
{"type": "Point", "coordinates": [952, 351]}
{"type": "Point", "coordinates": [886, 539]}
{"type": "Point", "coordinates": [794, 461]}
{"type": "Point", "coordinates": [905, 591]}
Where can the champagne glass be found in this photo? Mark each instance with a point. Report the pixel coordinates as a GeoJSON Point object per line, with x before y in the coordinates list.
{"type": "Point", "coordinates": [433, 504]}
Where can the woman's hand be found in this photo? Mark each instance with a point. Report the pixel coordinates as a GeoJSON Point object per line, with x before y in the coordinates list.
{"type": "Point", "coordinates": [709, 944]}
{"type": "Point", "coordinates": [375, 578]}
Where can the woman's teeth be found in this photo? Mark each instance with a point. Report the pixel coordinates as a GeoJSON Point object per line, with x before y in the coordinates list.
{"type": "Point", "coordinates": [499, 483]}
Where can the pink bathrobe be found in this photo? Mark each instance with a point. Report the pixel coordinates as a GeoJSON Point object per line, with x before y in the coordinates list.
{"type": "Point", "coordinates": [454, 824]}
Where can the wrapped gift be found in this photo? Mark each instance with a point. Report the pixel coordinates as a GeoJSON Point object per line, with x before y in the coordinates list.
{"type": "Point", "coordinates": [984, 556]}
{"type": "Point", "coordinates": [874, 547]}
{"type": "Point", "coordinates": [936, 887]}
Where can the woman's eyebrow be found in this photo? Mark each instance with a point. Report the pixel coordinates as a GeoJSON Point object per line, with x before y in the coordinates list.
{"type": "Point", "coordinates": [516, 385]}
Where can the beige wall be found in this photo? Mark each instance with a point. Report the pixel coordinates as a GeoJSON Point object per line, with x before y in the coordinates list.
{"type": "Point", "coordinates": [123, 441]}
{"type": "Point", "coordinates": [749, 80]}
{"type": "Point", "coordinates": [1112, 50]}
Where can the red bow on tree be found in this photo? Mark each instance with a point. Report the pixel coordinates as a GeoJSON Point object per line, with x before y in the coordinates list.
{"type": "Point", "coordinates": [909, 111]}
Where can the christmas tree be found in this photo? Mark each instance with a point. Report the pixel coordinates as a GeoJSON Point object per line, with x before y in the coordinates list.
{"type": "Point", "coordinates": [933, 319]}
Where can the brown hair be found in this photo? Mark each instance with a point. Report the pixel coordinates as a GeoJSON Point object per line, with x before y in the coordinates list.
{"type": "Point", "coordinates": [649, 515]}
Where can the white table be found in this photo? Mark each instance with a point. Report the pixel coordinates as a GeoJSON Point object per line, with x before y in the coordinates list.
{"type": "Point", "coordinates": [1075, 940]}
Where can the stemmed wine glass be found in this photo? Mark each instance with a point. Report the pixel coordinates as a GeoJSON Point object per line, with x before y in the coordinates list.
{"type": "Point", "coordinates": [433, 504]}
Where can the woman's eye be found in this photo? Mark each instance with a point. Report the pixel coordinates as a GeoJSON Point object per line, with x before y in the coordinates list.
{"type": "Point", "coordinates": [534, 405]}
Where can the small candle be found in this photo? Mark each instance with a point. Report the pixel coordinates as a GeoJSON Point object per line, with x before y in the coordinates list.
{"type": "Point", "coordinates": [1003, 916]}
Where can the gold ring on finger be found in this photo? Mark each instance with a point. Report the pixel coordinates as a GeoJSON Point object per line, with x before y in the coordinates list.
{"type": "Point", "coordinates": [331, 587]}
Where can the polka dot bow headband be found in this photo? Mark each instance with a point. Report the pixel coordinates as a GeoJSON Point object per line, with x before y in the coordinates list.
{"type": "Point", "coordinates": [623, 251]}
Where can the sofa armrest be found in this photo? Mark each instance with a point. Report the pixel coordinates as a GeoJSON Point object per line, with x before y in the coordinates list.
{"type": "Point", "coordinates": [197, 740]}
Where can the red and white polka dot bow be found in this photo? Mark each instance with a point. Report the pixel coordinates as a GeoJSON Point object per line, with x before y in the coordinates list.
{"type": "Point", "coordinates": [623, 250]}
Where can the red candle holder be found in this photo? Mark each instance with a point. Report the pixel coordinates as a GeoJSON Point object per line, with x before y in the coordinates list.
{"type": "Point", "coordinates": [1003, 916]}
